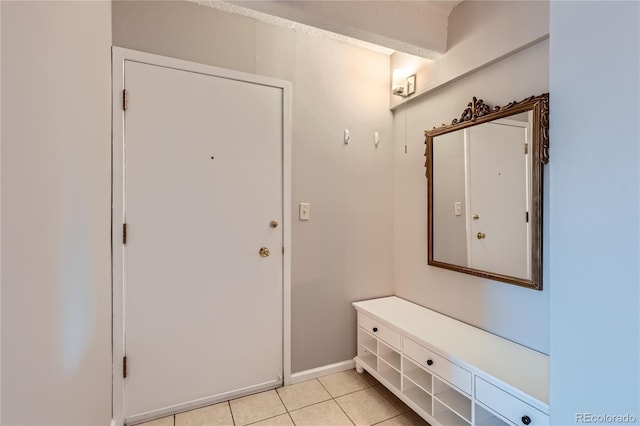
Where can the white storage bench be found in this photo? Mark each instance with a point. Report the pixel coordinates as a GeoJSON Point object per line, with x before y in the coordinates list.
{"type": "Point", "coordinates": [449, 372]}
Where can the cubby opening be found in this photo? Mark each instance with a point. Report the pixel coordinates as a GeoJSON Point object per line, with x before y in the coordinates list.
{"type": "Point", "coordinates": [367, 350]}
{"type": "Point", "coordinates": [451, 399]}
{"type": "Point", "coordinates": [417, 375]}
{"type": "Point", "coordinates": [367, 341]}
{"type": "Point", "coordinates": [446, 416]}
{"type": "Point", "coordinates": [391, 356]}
{"type": "Point", "coordinates": [369, 359]}
{"type": "Point", "coordinates": [486, 418]}
{"type": "Point", "coordinates": [418, 396]}
{"type": "Point", "coordinates": [389, 373]}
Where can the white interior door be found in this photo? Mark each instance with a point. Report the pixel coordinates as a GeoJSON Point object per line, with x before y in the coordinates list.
{"type": "Point", "coordinates": [498, 199]}
{"type": "Point", "coordinates": [203, 179]}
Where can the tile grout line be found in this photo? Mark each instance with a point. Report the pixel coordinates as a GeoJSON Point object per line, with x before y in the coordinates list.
{"type": "Point", "coordinates": [267, 418]}
{"type": "Point", "coordinates": [281, 400]}
{"type": "Point", "coordinates": [348, 393]}
{"type": "Point", "coordinates": [336, 402]}
{"type": "Point", "coordinates": [370, 386]}
{"type": "Point", "coordinates": [233, 419]}
{"type": "Point", "coordinates": [323, 386]}
{"type": "Point", "coordinates": [345, 413]}
{"type": "Point", "coordinates": [400, 413]}
{"type": "Point", "coordinates": [375, 390]}
{"type": "Point", "coordinates": [310, 405]}
{"type": "Point", "coordinates": [382, 421]}
{"type": "Point", "coordinates": [286, 409]}
{"type": "Point", "coordinates": [331, 398]}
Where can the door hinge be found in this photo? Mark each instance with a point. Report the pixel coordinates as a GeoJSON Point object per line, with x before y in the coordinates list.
{"type": "Point", "coordinates": [526, 217]}
{"type": "Point", "coordinates": [124, 233]}
{"type": "Point", "coordinates": [125, 99]}
{"type": "Point", "coordinates": [526, 148]}
{"type": "Point", "coordinates": [124, 367]}
{"type": "Point", "coordinates": [282, 250]}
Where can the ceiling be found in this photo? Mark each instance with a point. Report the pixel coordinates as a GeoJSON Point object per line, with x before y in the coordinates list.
{"type": "Point", "coordinates": [417, 27]}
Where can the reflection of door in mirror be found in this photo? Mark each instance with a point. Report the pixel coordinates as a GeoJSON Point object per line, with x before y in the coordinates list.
{"type": "Point", "coordinates": [498, 195]}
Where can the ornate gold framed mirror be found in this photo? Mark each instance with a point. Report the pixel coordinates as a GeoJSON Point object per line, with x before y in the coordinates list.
{"type": "Point", "coordinates": [484, 179]}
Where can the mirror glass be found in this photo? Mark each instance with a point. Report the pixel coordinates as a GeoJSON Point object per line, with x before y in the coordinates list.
{"type": "Point", "coordinates": [484, 187]}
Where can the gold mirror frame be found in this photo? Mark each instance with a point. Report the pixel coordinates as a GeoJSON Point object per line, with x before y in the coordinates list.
{"type": "Point", "coordinates": [477, 112]}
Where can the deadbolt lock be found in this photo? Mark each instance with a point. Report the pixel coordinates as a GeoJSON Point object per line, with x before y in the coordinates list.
{"type": "Point", "coordinates": [273, 224]}
{"type": "Point", "coordinates": [264, 252]}
{"type": "Point", "coordinates": [481, 235]}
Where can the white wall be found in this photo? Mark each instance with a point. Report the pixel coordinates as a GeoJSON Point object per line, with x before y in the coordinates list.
{"type": "Point", "coordinates": [594, 207]}
{"type": "Point", "coordinates": [56, 304]}
{"type": "Point", "coordinates": [516, 313]}
{"type": "Point", "coordinates": [343, 253]}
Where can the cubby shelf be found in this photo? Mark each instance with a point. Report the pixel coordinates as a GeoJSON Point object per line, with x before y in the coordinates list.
{"type": "Point", "coordinates": [390, 356]}
{"type": "Point", "coordinates": [450, 419]}
{"type": "Point", "coordinates": [485, 418]}
{"type": "Point", "coordinates": [417, 375]}
{"type": "Point", "coordinates": [370, 360]}
{"type": "Point", "coordinates": [455, 401]}
{"type": "Point", "coordinates": [420, 398]}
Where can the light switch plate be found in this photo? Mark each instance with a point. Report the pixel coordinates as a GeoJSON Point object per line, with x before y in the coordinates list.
{"type": "Point", "coordinates": [458, 208]}
{"type": "Point", "coordinates": [304, 211]}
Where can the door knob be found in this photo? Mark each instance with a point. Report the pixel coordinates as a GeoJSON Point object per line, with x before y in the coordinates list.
{"type": "Point", "coordinates": [273, 224]}
{"type": "Point", "coordinates": [481, 235]}
{"type": "Point", "coordinates": [475, 217]}
{"type": "Point", "coordinates": [264, 252]}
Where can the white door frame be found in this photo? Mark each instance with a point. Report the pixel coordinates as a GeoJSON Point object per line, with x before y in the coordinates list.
{"type": "Point", "coordinates": [119, 57]}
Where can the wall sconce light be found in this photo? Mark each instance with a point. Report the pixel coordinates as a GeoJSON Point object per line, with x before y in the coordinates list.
{"type": "Point", "coordinates": [403, 85]}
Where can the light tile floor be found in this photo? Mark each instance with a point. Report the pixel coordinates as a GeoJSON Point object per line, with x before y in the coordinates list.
{"type": "Point", "coordinates": [345, 398]}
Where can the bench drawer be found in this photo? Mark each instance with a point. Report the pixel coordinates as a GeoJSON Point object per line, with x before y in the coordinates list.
{"type": "Point", "coordinates": [379, 330]}
{"type": "Point", "coordinates": [508, 406]}
{"type": "Point", "coordinates": [444, 368]}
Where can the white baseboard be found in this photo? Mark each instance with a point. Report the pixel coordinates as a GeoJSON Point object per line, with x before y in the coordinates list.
{"type": "Point", "coordinates": [325, 370]}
